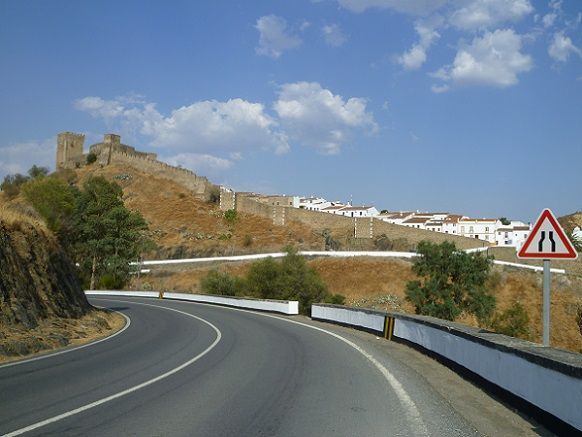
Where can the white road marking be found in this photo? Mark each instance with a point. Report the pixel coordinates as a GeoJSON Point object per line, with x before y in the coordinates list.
{"type": "Point", "coordinates": [413, 415]}
{"type": "Point", "coordinates": [66, 351]}
{"type": "Point", "coordinates": [129, 390]}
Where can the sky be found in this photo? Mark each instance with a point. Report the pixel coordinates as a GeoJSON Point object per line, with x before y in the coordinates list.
{"type": "Point", "coordinates": [465, 106]}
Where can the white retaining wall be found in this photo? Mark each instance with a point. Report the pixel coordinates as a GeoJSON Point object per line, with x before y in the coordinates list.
{"type": "Point", "coordinates": [279, 306]}
{"type": "Point", "coordinates": [537, 380]}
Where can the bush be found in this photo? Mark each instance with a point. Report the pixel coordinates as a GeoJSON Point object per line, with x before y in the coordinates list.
{"type": "Point", "coordinates": [452, 281]}
{"type": "Point", "coordinates": [247, 240]}
{"type": "Point", "coordinates": [37, 172]}
{"type": "Point", "coordinates": [383, 243]}
{"type": "Point", "coordinates": [335, 299]}
{"type": "Point", "coordinates": [214, 195]}
{"type": "Point", "coordinates": [231, 216]}
{"type": "Point", "coordinates": [514, 322]}
{"type": "Point", "coordinates": [91, 158]}
{"type": "Point", "coordinates": [224, 284]}
{"type": "Point", "coordinates": [12, 183]}
{"type": "Point", "coordinates": [290, 279]}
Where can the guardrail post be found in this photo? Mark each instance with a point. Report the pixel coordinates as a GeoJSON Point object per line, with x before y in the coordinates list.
{"type": "Point", "coordinates": [388, 327]}
{"type": "Point", "coordinates": [161, 294]}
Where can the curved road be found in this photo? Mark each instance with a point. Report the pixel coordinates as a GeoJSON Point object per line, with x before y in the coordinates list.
{"type": "Point", "coordinates": [197, 370]}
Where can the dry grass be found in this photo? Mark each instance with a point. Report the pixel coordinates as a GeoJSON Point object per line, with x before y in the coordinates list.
{"type": "Point", "coordinates": [18, 342]}
{"type": "Point", "coordinates": [177, 218]}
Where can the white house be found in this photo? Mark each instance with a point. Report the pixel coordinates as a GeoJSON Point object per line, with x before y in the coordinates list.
{"type": "Point", "coordinates": [577, 233]}
{"type": "Point", "coordinates": [416, 222]}
{"type": "Point", "coordinates": [451, 224]}
{"type": "Point", "coordinates": [333, 209]}
{"type": "Point", "coordinates": [358, 211]}
{"type": "Point", "coordinates": [313, 203]}
{"type": "Point", "coordinates": [512, 235]}
{"type": "Point", "coordinates": [396, 217]}
{"type": "Point", "coordinates": [483, 229]}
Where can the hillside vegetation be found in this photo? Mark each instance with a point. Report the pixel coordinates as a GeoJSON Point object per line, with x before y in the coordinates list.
{"type": "Point", "coordinates": [184, 226]}
{"type": "Point", "coordinates": [42, 304]}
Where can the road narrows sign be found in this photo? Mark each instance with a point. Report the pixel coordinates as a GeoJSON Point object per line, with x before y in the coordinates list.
{"type": "Point", "coordinates": [547, 240]}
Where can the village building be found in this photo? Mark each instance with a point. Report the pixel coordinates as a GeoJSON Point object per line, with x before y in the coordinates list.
{"type": "Point", "coordinates": [483, 229]}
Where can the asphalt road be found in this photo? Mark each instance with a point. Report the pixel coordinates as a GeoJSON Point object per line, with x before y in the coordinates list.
{"type": "Point", "coordinates": [198, 370]}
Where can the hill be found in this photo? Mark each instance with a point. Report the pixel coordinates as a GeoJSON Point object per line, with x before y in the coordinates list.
{"type": "Point", "coordinates": [570, 221]}
{"type": "Point", "coordinates": [183, 225]}
{"type": "Point", "coordinates": [42, 304]}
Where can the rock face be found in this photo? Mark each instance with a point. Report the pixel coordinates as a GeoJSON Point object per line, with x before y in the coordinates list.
{"type": "Point", "coordinates": [37, 279]}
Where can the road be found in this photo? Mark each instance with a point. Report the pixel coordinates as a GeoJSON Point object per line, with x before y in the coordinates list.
{"type": "Point", "coordinates": [198, 370]}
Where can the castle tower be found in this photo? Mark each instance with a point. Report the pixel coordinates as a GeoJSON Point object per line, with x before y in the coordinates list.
{"type": "Point", "coordinates": [112, 139]}
{"type": "Point", "coordinates": [69, 150]}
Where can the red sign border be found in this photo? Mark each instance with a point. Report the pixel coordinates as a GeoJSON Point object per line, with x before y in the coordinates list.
{"type": "Point", "coordinates": [547, 214]}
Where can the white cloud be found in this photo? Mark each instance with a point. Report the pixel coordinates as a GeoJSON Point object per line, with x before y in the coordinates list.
{"type": "Point", "coordinates": [333, 35]}
{"type": "Point", "coordinates": [438, 89]}
{"type": "Point", "coordinates": [202, 130]}
{"type": "Point", "coordinates": [561, 47]}
{"type": "Point", "coordinates": [478, 14]}
{"type": "Point", "coordinates": [549, 19]}
{"type": "Point", "coordinates": [495, 59]}
{"type": "Point", "coordinates": [318, 118]}
{"type": "Point", "coordinates": [274, 37]}
{"type": "Point", "coordinates": [416, 55]}
{"type": "Point", "coordinates": [200, 163]}
{"type": "Point", "coordinates": [19, 157]}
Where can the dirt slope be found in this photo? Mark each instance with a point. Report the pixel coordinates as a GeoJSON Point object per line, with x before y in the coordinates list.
{"type": "Point", "coordinates": [183, 225]}
{"type": "Point", "coordinates": [42, 304]}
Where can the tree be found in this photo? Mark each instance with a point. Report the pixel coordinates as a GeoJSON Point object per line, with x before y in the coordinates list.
{"type": "Point", "coordinates": [54, 200]}
{"type": "Point", "coordinates": [109, 235]}
{"type": "Point", "coordinates": [290, 279]}
{"type": "Point", "coordinates": [12, 183]}
{"type": "Point", "coordinates": [452, 281]}
{"type": "Point", "coordinates": [91, 158]}
{"type": "Point", "coordinates": [504, 221]}
{"type": "Point", "coordinates": [220, 283]}
{"type": "Point", "coordinates": [37, 172]}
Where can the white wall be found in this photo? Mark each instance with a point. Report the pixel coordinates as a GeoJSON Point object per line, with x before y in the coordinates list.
{"type": "Point", "coordinates": [556, 392]}
{"type": "Point", "coordinates": [279, 306]}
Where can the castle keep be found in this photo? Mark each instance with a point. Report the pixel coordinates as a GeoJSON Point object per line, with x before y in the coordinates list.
{"type": "Point", "coordinates": [111, 151]}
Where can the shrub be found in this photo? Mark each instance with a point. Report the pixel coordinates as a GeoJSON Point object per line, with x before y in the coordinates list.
{"type": "Point", "coordinates": [214, 195]}
{"type": "Point", "coordinates": [222, 283]}
{"type": "Point", "coordinates": [383, 243]}
{"type": "Point", "coordinates": [579, 317]}
{"type": "Point", "coordinates": [452, 281]}
{"type": "Point", "coordinates": [335, 299]}
{"type": "Point", "coordinates": [290, 279]}
{"type": "Point", "coordinates": [12, 183]}
{"type": "Point", "coordinates": [514, 322]}
{"type": "Point", "coordinates": [38, 172]}
{"type": "Point", "coordinates": [247, 240]}
{"type": "Point", "coordinates": [231, 216]}
{"type": "Point", "coordinates": [91, 158]}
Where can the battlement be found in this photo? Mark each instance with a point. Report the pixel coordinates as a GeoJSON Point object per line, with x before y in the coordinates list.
{"type": "Point", "coordinates": [112, 151]}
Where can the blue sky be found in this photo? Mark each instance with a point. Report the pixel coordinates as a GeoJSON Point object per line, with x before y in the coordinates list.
{"type": "Point", "coordinates": [466, 106]}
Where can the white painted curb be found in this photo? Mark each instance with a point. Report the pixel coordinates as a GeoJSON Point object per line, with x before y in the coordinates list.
{"type": "Point", "coordinates": [289, 307]}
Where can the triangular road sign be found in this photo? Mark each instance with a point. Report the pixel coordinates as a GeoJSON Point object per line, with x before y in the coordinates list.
{"type": "Point", "coordinates": [547, 240]}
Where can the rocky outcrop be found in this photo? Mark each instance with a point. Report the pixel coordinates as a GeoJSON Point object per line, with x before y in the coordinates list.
{"type": "Point", "coordinates": [37, 279]}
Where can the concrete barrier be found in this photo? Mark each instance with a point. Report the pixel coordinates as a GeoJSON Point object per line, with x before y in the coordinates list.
{"type": "Point", "coordinates": [550, 379]}
{"type": "Point", "coordinates": [289, 307]}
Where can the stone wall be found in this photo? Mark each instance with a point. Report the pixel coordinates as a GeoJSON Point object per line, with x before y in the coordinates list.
{"type": "Point", "coordinates": [199, 185]}
{"type": "Point", "coordinates": [352, 232]}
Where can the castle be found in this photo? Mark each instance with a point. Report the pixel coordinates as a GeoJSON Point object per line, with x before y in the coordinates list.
{"type": "Point", "coordinates": [70, 155]}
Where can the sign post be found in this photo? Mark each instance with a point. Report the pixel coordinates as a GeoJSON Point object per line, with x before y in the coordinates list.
{"type": "Point", "coordinates": [547, 241]}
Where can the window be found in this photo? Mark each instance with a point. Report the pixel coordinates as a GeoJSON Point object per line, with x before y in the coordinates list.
{"type": "Point", "coordinates": [486, 229]}
{"type": "Point", "coordinates": [462, 229]}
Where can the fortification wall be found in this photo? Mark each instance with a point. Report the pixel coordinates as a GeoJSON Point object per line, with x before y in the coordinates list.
{"type": "Point", "coordinates": [344, 228]}
{"type": "Point", "coordinates": [227, 200]}
{"type": "Point", "coordinates": [198, 184]}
